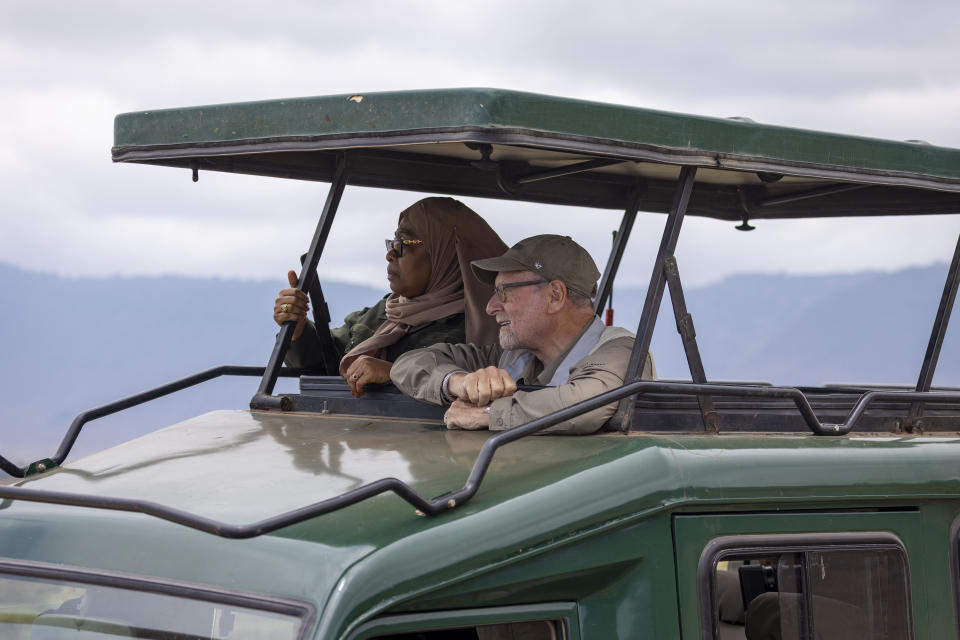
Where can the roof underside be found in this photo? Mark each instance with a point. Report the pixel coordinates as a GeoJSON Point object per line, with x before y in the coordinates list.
{"type": "Point", "coordinates": [502, 144]}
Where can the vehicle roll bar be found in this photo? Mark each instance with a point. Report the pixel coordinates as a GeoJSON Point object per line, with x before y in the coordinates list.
{"type": "Point", "coordinates": [76, 426]}
{"type": "Point", "coordinates": [451, 500]}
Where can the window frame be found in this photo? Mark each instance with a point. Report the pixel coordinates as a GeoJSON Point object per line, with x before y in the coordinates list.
{"type": "Point", "coordinates": [724, 547]}
{"type": "Point", "coordinates": [954, 555]}
{"type": "Point", "coordinates": [302, 611]}
{"type": "Point", "coordinates": [567, 613]}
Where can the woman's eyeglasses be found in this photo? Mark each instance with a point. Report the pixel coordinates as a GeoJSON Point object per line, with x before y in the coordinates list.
{"type": "Point", "coordinates": [397, 244]}
{"type": "Point", "coordinates": [501, 289]}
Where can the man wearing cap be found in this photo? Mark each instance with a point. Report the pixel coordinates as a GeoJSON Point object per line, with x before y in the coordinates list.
{"type": "Point", "coordinates": [549, 335]}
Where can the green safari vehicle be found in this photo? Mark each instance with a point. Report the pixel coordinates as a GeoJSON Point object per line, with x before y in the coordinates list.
{"type": "Point", "coordinates": [709, 509]}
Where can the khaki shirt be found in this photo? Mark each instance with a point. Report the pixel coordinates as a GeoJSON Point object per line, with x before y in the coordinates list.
{"type": "Point", "coordinates": [420, 374]}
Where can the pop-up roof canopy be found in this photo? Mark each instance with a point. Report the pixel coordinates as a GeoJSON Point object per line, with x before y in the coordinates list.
{"type": "Point", "coordinates": [524, 146]}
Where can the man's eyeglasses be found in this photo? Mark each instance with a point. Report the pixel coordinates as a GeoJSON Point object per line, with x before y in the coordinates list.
{"type": "Point", "coordinates": [397, 244]}
{"type": "Point", "coordinates": [501, 289]}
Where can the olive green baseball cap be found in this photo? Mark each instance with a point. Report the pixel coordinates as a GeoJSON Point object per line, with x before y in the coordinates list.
{"type": "Point", "coordinates": [550, 256]}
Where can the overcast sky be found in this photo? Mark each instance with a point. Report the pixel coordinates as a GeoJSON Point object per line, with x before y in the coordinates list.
{"type": "Point", "coordinates": [875, 68]}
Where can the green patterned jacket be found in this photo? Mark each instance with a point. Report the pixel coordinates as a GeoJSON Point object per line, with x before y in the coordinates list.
{"type": "Point", "coordinates": [304, 352]}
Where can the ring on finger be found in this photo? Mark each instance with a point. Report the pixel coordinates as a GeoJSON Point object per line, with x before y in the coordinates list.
{"type": "Point", "coordinates": [284, 307]}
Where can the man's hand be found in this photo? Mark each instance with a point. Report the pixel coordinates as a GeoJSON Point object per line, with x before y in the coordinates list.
{"type": "Point", "coordinates": [365, 370]}
{"type": "Point", "coordinates": [291, 305]}
{"type": "Point", "coordinates": [461, 415]}
{"type": "Point", "coordinates": [481, 387]}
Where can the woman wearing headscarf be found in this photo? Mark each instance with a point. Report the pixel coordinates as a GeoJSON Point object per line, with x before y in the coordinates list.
{"type": "Point", "coordinates": [434, 296]}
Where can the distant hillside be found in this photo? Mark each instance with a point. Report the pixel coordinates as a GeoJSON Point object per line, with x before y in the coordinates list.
{"type": "Point", "coordinates": [793, 330]}
{"type": "Point", "coordinates": [69, 344]}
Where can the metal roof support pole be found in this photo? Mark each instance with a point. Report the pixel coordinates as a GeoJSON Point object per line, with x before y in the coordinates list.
{"type": "Point", "coordinates": [568, 170]}
{"type": "Point", "coordinates": [930, 359]}
{"type": "Point", "coordinates": [813, 193]}
{"type": "Point", "coordinates": [616, 253]}
{"type": "Point", "coordinates": [264, 399]}
{"type": "Point", "coordinates": [651, 304]}
{"type": "Point", "coordinates": [321, 318]}
{"type": "Point", "coordinates": [689, 337]}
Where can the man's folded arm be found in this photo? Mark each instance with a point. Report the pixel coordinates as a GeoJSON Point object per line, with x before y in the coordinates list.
{"type": "Point", "coordinates": [524, 406]}
{"type": "Point", "coordinates": [420, 373]}
{"type": "Point", "coordinates": [599, 372]}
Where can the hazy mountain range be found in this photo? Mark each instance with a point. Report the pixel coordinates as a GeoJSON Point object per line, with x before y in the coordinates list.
{"type": "Point", "coordinates": [69, 344]}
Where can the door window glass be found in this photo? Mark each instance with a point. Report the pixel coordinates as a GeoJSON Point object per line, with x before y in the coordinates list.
{"type": "Point", "coordinates": [830, 594]}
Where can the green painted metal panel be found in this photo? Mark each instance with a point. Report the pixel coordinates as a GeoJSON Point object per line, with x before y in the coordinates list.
{"type": "Point", "coordinates": [337, 115]}
{"type": "Point", "coordinates": [922, 531]}
{"type": "Point", "coordinates": [377, 119]}
{"type": "Point", "coordinates": [604, 499]}
{"type": "Point", "coordinates": [620, 576]}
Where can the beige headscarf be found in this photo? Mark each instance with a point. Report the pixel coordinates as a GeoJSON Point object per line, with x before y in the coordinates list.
{"type": "Point", "coordinates": [453, 235]}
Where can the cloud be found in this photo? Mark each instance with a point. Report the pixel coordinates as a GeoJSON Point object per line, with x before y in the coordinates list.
{"type": "Point", "coordinates": [688, 50]}
{"type": "Point", "coordinates": [880, 69]}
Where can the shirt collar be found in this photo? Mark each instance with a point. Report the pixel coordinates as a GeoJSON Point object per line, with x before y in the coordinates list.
{"type": "Point", "coordinates": [558, 371]}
